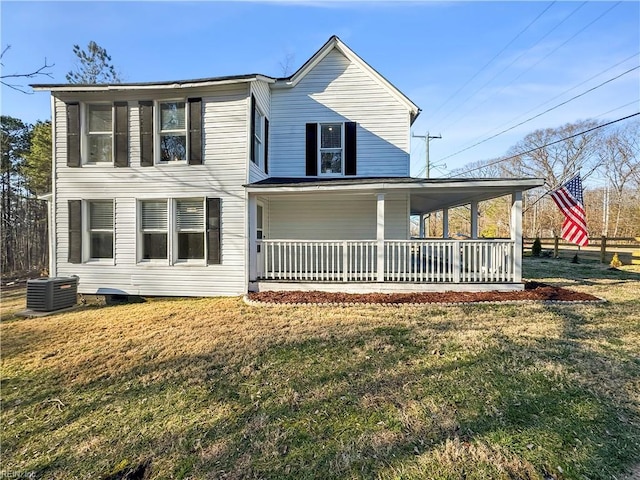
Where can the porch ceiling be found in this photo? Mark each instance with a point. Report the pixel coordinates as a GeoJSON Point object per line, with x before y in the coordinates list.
{"type": "Point", "coordinates": [426, 195]}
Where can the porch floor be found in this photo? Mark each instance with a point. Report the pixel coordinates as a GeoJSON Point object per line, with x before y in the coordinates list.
{"type": "Point", "coordinates": [381, 287]}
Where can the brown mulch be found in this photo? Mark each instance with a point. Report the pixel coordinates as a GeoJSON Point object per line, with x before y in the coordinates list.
{"type": "Point", "coordinates": [532, 291]}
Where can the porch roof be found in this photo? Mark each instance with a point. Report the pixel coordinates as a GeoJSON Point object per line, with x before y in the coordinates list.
{"type": "Point", "coordinates": [426, 194]}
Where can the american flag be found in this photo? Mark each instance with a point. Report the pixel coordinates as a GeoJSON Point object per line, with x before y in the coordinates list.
{"type": "Point", "coordinates": [570, 202]}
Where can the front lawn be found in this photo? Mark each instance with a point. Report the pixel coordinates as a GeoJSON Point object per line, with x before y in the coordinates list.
{"type": "Point", "coordinates": [213, 388]}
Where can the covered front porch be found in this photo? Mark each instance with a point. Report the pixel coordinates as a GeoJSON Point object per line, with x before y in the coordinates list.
{"type": "Point", "coordinates": [353, 235]}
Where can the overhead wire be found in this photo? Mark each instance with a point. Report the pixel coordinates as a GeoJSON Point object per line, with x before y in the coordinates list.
{"type": "Point", "coordinates": [495, 162]}
{"type": "Point", "coordinates": [492, 59]}
{"type": "Point", "coordinates": [573, 12]}
{"type": "Point", "coordinates": [635, 55]}
{"type": "Point", "coordinates": [541, 113]}
{"type": "Point", "coordinates": [535, 64]}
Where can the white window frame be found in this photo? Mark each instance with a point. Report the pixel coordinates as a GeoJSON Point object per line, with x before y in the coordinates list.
{"type": "Point", "coordinates": [158, 132]}
{"type": "Point", "coordinates": [86, 133]}
{"type": "Point", "coordinates": [259, 149]}
{"type": "Point", "coordinates": [175, 232]}
{"type": "Point", "coordinates": [320, 150]}
{"type": "Point", "coordinates": [87, 231]}
{"type": "Point", "coordinates": [141, 231]}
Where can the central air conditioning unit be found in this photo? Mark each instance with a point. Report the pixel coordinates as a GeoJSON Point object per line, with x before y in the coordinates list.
{"type": "Point", "coordinates": [50, 294]}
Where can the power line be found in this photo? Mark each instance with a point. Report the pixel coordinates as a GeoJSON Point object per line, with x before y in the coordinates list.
{"type": "Point", "coordinates": [535, 64]}
{"type": "Point", "coordinates": [515, 60]}
{"type": "Point", "coordinates": [546, 145]}
{"type": "Point", "coordinates": [635, 55]}
{"type": "Point", "coordinates": [494, 57]}
{"type": "Point", "coordinates": [542, 113]}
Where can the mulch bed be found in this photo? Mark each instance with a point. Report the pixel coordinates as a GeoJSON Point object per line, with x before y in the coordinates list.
{"type": "Point", "coordinates": [533, 291]}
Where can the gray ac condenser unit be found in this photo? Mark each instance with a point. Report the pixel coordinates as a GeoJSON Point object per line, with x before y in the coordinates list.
{"type": "Point", "coordinates": [49, 294]}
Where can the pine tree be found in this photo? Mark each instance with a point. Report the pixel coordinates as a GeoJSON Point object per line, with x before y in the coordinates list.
{"type": "Point", "coordinates": [95, 66]}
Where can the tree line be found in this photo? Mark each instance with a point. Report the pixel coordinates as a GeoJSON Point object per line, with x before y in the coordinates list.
{"type": "Point", "coordinates": [606, 157]}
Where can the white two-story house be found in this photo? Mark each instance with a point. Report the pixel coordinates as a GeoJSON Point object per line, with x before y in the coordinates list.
{"type": "Point", "coordinates": [222, 185]}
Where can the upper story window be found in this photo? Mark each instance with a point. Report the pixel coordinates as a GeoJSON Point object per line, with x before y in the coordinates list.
{"type": "Point", "coordinates": [98, 134]}
{"type": "Point", "coordinates": [172, 132]}
{"type": "Point", "coordinates": [331, 149]}
{"type": "Point", "coordinates": [99, 129]}
{"type": "Point", "coordinates": [259, 136]}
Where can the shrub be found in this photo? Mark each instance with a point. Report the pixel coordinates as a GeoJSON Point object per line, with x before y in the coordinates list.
{"type": "Point", "coordinates": [615, 261]}
{"type": "Point", "coordinates": [536, 248]}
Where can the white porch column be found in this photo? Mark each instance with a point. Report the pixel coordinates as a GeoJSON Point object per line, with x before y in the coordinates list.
{"type": "Point", "coordinates": [422, 225]}
{"type": "Point", "coordinates": [516, 235]}
{"type": "Point", "coordinates": [445, 223]}
{"type": "Point", "coordinates": [253, 247]}
{"type": "Point", "coordinates": [380, 236]}
{"type": "Point", "coordinates": [474, 219]}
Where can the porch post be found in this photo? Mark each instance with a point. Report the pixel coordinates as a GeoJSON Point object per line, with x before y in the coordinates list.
{"type": "Point", "coordinates": [380, 236]}
{"type": "Point", "coordinates": [422, 225]}
{"type": "Point", "coordinates": [474, 219]}
{"type": "Point", "coordinates": [445, 223]}
{"type": "Point", "coordinates": [253, 247]}
{"type": "Point", "coordinates": [516, 235]}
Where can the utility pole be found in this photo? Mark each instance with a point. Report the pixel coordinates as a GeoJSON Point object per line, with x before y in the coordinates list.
{"type": "Point", "coordinates": [427, 138]}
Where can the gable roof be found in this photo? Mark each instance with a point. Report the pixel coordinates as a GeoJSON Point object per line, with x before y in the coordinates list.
{"type": "Point", "coordinates": [335, 43]}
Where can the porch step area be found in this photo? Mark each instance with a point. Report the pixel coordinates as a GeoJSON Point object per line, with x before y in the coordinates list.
{"type": "Point", "coordinates": [380, 287]}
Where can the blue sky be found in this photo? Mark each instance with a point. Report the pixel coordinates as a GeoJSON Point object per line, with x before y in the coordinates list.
{"type": "Point", "coordinates": [474, 68]}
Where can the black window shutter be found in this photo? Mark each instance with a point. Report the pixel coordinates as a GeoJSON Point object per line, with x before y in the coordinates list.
{"type": "Point", "coordinates": [75, 231]}
{"type": "Point", "coordinates": [195, 131]}
{"type": "Point", "coordinates": [266, 145]}
{"type": "Point", "coordinates": [253, 129]}
{"type": "Point", "coordinates": [146, 133]}
{"type": "Point", "coordinates": [312, 149]}
{"type": "Point", "coordinates": [350, 148]}
{"type": "Point", "coordinates": [213, 231]}
{"type": "Point", "coordinates": [122, 134]}
{"type": "Point", "coordinates": [73, 135]}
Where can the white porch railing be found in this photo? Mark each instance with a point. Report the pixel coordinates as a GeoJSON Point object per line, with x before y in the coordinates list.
{"type": "Point", "coordinates": [421, 261]}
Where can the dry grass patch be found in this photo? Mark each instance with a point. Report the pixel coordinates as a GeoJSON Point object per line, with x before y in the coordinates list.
{"type": "Point", "coordinates": [213, 388]}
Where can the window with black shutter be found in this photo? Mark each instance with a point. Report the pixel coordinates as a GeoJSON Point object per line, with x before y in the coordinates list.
{"type": "Point", "coordinates": [214, 250]}
{"type": "Point", "coordinates": [73, 135]}
{"type": "Point", "coordinates": [121, 134]}
{"type": "Point", "coordinates": [331, 149]}
{"type": "Point", "coordinates": [75, 231]}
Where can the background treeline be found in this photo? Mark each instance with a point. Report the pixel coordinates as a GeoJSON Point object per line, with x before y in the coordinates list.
{"type": "Point", "coordinates": [607, 159]}
{"type": "Point", "coordinates": [26, 173]}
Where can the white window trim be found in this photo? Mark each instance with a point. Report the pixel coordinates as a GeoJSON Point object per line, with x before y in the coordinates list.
{"type": "Point", "coordinates": [320, 149]}
{"type": "Point", "coordinates": [86, 233]}
{"type": "Point", "coordinates": [158, 132]}
{"type": "Point", "coordinates": [84, 134]}
{"type": "Point", "coordinates": [140, 234]}
{"type": "Point", "coordinates": [201, 262]}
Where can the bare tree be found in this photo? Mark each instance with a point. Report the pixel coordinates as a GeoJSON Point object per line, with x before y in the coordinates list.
{"type": "Point", "coordinates": [8, 79]}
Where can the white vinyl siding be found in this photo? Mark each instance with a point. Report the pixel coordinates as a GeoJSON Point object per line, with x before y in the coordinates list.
{"type": "Point", "coordinates": [223, 174]}
{"type": "Point", "coordinates": [262, 94]}
{"type": "Point", "coordinates": [333, 216]}
{"type": "Point", "coordinates": [337, 90]}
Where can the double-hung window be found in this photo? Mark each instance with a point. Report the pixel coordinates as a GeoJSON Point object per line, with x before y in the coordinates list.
{"type": "Point", "coordinates": [153, 226]}
{"type": "Point", "coordinates": [99, 128]}
{"type": "Point", "coordinates": [331, 149]}
{"type": "Point", "coordinates": [258, 137]}
{"type": "Point", "coordinates": [190, 229]}
{"type": "Point", "coordinates": [172, 131]}
{"type": "Point", "coordinates": [100, 229]}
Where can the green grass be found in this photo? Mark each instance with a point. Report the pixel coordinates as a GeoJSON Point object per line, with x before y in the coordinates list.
{"type": "Point", "coordinates": [212, 388]}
